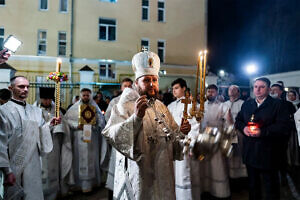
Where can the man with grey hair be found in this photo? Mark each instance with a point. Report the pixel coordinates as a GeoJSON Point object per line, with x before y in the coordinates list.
{"type": "Point", "coordinates": [231, 108]}
{"type": "Point", "coordinates": [146, 137]}
{"type": "Point", "coordinates": [24, 136]}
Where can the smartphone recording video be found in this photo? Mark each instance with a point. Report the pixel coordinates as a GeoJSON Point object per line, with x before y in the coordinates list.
{"type": "Point", "coordinates": [12, 43]}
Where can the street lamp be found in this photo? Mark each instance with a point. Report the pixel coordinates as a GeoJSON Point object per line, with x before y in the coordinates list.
{"type": "Point", "coordinates": [251, 68]}
{"type": "Point", "coordinates": [222, 73]}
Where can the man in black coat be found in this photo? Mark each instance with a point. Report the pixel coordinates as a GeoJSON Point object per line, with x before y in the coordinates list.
{"type": "Point", "coordinates": [264, 147]}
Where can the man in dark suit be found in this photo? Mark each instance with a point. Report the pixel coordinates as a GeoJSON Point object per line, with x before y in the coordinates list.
{"type": "Point", "coordinates": [264, 144]}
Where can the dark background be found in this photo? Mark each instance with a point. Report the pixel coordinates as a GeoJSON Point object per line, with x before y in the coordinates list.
{"type": "Point", "coordinates": [265, 32]}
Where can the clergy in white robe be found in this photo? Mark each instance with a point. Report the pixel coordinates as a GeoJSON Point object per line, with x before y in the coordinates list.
{"type": "Point", "coordinates": [56, 166]}
{"type": "Point", "coordinates": [230, 110]}
{"type": "Point", "coordinates": [86, 154]}
{"type": "Point", "coordinates": [187, 182]}
{"type": "Point", "coordinates": [214, 174]}
{"type": "Point", "coordinates": [126, 82]}
{"type": "Point", "coordinates": [146, 137]}
{"type": "Point", "coordinates": [24, 137]}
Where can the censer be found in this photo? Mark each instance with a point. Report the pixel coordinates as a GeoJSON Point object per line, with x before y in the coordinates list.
{"type": "Point", "coordinates": [211, 139]}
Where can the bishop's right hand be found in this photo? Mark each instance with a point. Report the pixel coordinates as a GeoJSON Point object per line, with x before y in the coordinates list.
{"type": "Point", "coordinates": [141, 106]}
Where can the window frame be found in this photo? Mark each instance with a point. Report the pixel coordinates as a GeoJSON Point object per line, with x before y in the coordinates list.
{"type": "Point", "coordinates": [107, 66]}
{"type": "Point", "coordinates": [40, 4]}
{"type": "Point", "coordinates": [62, 11]}
{"type": "Point", "coordinates": [164, 49]}
{"type": "Point", "coordinates": [109, 1]}
{"type": "Point", "coordinates": [58, 45]}
{"type": "Point", "coordinates": [106, 28]}
{"type": "Point", "coordinates": [148, 11]}
{"type": "Point", "coordinates": [3, 3]}
{"type": "Point", "coordinates": [162, 9]}
{"type": "Point", "coordinates": [2, 37]}
{"type": "Point", "coordinates": [38, 42]}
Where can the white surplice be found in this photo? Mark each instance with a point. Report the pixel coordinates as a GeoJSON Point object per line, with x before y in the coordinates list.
{"type": "Point", "coordinates": [26, 135]}
{"type": "Point", "coordinates": [235, 163]}
{"type": "Point", "coordinates": [86, 156]}
{"type": "Point", "coordinates": [56, 165]}
{"type": "Point", "coordinates": [187, 182]}
{"type": "Point", "coordinates": [214, 174]}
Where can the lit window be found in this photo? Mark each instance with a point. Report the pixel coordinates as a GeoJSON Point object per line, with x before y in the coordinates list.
{"type": "Point", "coordinates": [161, 50]}
{"type": "Point", "coordinates": [161, 11]}
{"type": "Point", "coordinates": [63, 6]}
{"type": "Point", "coordinates": [62, 43]}
{"type": "Point", "coordinates": [43, 4]}
{"type": "Point", "coordinates": [107, 29]}
{"type": "Point", "coordinates": [145, 9]}
{"type": "Point", "coordinates": [42, 43]}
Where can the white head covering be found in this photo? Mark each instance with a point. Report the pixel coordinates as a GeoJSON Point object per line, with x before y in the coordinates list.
{"type": "Point", "coordinates": [145, 63]}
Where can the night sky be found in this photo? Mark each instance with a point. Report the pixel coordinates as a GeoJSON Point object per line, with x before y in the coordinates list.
{"type": "Point", "coordinates": [266, 32]}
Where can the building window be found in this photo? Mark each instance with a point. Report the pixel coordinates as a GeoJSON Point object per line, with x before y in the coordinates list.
{"type": "Point", "coordinates": [161, 11]}
{"type": "Point", "coordinates": [106, 71]}
{"type": "Point", "coordinates": [1, 37]}
{"type": "Point", "coordinates": [63, 6]}
{"type": "Point", "coordinates": [43, 4]}
{"type": "Point", "coordinates": [145, 44]}
{"type": "Point", "coordinates": [42, 43]}
{"type": "Point", "coordinates": [107, 29]}
{"type": "Point", "coordinates": [145, 10]}
{"type": "Point", "coordinates": [112, 1]}
{"type": "Point", "coordinates": [2, 2]}
{"type": "Point", "coordinates": [62, 43]}
{"type": "Point", "coordinates": [161, 50]}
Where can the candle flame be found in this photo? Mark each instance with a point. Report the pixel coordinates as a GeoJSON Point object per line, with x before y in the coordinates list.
{"type": "Point", "coordinates": [58, 60]}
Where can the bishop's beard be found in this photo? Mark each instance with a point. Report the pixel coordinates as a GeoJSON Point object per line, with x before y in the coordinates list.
{"type": "Point", "coordinates": [143, 92]}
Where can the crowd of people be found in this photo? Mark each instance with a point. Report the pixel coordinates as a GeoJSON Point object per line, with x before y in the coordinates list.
{"type": "Point", "coordinates": [133, 143]}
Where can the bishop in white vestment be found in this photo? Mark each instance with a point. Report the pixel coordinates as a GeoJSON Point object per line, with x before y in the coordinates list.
{"type": "Point", "coordinates": [146, 137]}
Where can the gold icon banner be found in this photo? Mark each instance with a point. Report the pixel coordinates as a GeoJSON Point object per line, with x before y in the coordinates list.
{"type": "Point", "coordinates": [87, 114]}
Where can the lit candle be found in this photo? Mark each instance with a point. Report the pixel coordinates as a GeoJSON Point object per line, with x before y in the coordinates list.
{"type": "Point", "coordinates": [58, 64]}
{"type": "Point", "coordinates": [204, 71]}
{"type": "Point", "coordinates": [201, 70]}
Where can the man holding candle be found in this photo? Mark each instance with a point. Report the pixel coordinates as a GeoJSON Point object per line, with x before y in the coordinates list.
{"type": "Point", "coordinates": [24, 136]}
{"type": "Point", "coordinates": [263, 146]}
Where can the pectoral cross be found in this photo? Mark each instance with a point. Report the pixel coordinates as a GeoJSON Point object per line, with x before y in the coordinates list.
{"type": "Point", "coordinates": [186, 101]}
